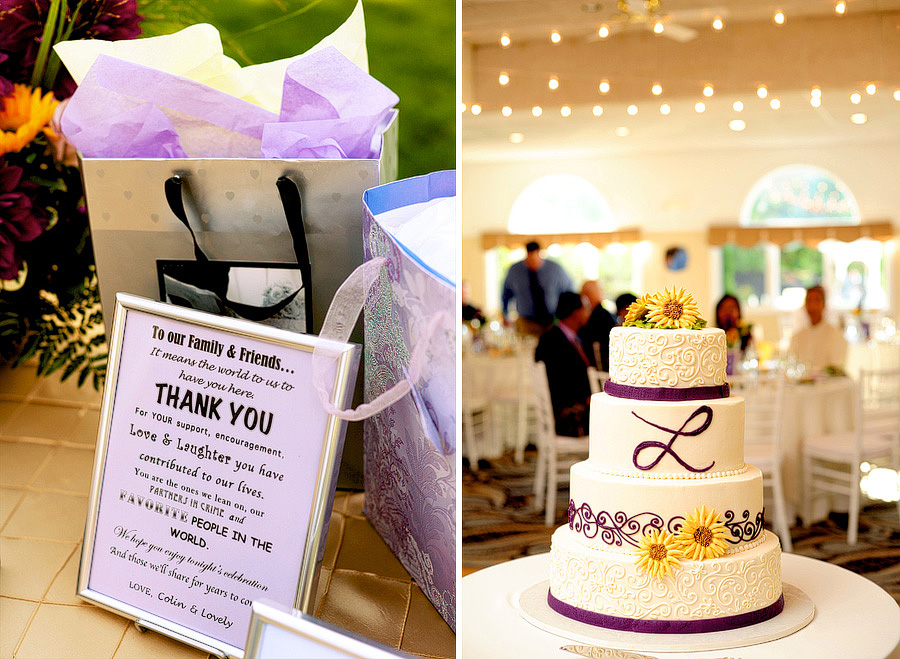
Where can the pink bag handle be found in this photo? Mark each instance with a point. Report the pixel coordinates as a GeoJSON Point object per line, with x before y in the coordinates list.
{"type": "Point", "coordinates": [339, 322]}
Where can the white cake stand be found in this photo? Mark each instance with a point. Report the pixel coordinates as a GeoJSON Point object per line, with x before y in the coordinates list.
{"type": "Point", "coordinates": [798, 612]}
{"type": "Point", "coordinates": [853, 616]}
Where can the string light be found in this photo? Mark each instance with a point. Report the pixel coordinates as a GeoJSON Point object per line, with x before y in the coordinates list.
{"type": "Point", "coordinates": [505, 41]}
{"type": "Point", "coordinates": [778, 18]}
{"type": "Point", "coordinates": [708, 90]}
{"type": "Point", "coordinates": [537, 111]}
{"type": "Point", "coordinates": [603, 32]}
{"type": "Point", "coordinates": [774, 104]}
{"type": "Point", "coordinates": [700, 106]}
{"type": "Point", "coordinates": [632, 110]}
{"type": "Point", "coordinates": [717, 23]}
{"type": "Point", "coordinates": [840, 8]}
{"type": "Point", "coordinates": [503, 79]}
{"type": "Point", "coordinates": [604, 87]}
{"type": "Point", "coordinates": [761, 91]}
{"type": "Point", "coordinates": [737, 124]}
{"type": "Point", "coordinates": [554, 37]}
{"type": "Point", "coordinates": [870, 88]}
{"type": "Point", "coordinates": [506, 111]}
{"type": "Point", "coordinates": [656, 89]}
{"type": "Point", "coordinates": [553, 83]}
{"type": "Point", "coordinates": [858, 118]}
{"type": "Point", "coordinates": [897, 94]}
{"type": "Point", "coordinates": [565, 111]}
{"type": "Point", "coordinates": [623, 131]}
{"type": "Point", "coordinates": [658, 27]}
{"type": "Point", "coordinates": [463, 107]}
{"type": "Point", "coordinates": [738, 106]}
{"type": "Point", "coordinates": [598, 110]}
{"type": "Point", "coordinates": [855, 98]}
{"type": "Point", "coordinates": [815, 101]}
{"type": "Point", "coordinates": [815, 92]}
{"type": "Point", "coordinates": [476, 109]}
{"type": "Point", "coordinates": [516, 138]}
{"type": "Point", "coordinates": [665, 108]}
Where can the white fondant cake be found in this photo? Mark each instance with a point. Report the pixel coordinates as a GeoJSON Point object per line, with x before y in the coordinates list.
{"type": "Point", "coordinates": [665, 530]}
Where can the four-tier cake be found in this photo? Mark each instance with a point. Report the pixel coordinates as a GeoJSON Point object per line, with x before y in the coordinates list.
{"type": "Point", "coordinates": [665, 531]}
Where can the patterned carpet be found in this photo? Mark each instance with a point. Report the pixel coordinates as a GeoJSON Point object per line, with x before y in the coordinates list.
{"type": "Point", "coordinates": [500, 524]}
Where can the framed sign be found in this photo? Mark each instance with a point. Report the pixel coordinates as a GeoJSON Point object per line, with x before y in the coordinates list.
{"type": "Point", "coordinates": [214, 473]}
{"type": "Point", "coordinates": [278, 633]}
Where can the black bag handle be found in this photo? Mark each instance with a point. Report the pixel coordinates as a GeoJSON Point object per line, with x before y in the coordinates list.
{"type": "Point", "coordinates": [293, 211]}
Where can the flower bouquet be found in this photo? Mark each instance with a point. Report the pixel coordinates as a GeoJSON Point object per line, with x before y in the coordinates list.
{"type": "Point", "coordinates": [49, 305]}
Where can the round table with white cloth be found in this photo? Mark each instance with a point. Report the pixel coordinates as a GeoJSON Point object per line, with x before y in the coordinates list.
{"type": "Point", "coordinates": [854, 619]}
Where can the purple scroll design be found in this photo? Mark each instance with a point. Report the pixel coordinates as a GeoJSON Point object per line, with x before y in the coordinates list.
{"type": "Point", "coordinates": [745, 529]}
{"type": "Point", "coordinates": [616, 528]}
{"type": "Point", "coordinates": [667, 448]}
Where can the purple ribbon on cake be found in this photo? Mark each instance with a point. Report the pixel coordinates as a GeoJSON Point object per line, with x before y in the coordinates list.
{"type": "Point", "coordinates": [666, 393]}
{"type": "Point", "coordinates": [666, 626]}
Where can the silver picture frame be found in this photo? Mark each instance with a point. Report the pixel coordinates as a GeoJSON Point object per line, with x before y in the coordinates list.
{"type": "Point", "coordinates": [151, 467]}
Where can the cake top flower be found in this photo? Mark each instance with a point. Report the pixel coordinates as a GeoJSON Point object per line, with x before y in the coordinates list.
{"type": "Point", "coordinates": [664, 310]}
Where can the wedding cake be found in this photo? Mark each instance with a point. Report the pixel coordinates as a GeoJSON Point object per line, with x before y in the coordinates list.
{"type": "Point", "coordinates": [665, 531]}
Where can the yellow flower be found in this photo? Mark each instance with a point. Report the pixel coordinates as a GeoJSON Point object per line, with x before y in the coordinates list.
{"type": "Point", "coordinates": [637, 309]}
{"type": "Point", "coordinates": [702, 535]}
{"type": "Point", "coordinates": [23, 115]}
{"type": "Point", "coordinates": [673, 310]}
{"type": "Point", "coordinates": [657, 554]}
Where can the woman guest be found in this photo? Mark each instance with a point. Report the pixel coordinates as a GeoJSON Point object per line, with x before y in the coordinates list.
{"type": "Point", "coordinates": [728, 318]}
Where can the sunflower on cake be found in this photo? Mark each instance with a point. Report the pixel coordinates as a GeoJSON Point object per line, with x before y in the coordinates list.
{"type": "Point", "coordinates": [665, 532]}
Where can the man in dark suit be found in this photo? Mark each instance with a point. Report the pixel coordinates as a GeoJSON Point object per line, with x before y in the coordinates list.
{"type": "Point", "coordinates": [567, 363]}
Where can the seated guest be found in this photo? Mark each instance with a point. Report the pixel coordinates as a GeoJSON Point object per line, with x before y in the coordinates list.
{"type": "Point", "coordinates": [622, 304]}
{"type": "Point", "coordinates": [820, 345]}
{"type": "Point", "coordinates": [567, 363]}
{"type": "Point", "coordinates": [595, 334]}
{"type": "Point", "coordinates": [728, 318]}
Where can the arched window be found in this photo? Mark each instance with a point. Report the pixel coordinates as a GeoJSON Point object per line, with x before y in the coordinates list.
{"type": "Point", "coordinates": [771, 276]}
{"type": "Point", "coordinates": [560, 203]}
{"type": "Point", "coordinates": [566, 203]}
{"type": "Point", "coordinates": [799, 195]}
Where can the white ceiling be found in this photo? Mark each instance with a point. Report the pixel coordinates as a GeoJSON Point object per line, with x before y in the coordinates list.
{"type": "Point", "coordinates": [814, 47]}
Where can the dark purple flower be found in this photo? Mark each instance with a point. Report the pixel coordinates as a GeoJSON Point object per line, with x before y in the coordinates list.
{"type": "Point", "coordinates": [20, 221]}
{"type": "Point", "coordinates": [22, 25]}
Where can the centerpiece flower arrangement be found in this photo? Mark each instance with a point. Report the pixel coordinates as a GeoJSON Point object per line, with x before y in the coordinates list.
{"type": "Point", "coordinates": [50, 306]}
{"type": "Point", "coordinates": [49, 300]}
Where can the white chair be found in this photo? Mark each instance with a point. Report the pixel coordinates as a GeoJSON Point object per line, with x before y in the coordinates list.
{"type": "Point", "coordinates": [477, 427]}
{"type": "Point", "coordinates": [597, 379]}
{"type": "Point", "coordinates": [556, 453]}
{"type": "Point", "coordinates": [831, 462]}
{"type": "Point", "coordinates": [763, 404]}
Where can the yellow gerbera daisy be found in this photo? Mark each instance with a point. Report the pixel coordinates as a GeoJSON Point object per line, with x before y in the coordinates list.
{"type": "Point", "coordinates": [23, 115]}
{"type": "Point", "coordinates": [702, 535]}
{"type": "Point", "coordinates": [657, 554]}
{"type": "Point", "coordinates": [637, 309]}
{"type": "Point", "coordinates": [673, 310]}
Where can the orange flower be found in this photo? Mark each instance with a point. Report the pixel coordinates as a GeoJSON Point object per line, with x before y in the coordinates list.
{"type": "Point", "coordinates": [23, 115]}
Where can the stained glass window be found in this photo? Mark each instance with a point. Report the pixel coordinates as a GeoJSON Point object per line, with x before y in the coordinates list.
{"type": "Point", "coordinates": [799, 195]}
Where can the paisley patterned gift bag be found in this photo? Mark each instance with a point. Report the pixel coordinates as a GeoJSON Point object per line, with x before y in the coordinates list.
{"type": "Point", "coordinates": [410, 446]}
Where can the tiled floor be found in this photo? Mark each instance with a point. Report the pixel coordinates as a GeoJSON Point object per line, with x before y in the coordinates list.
{"type": "Point", "coordinates": [48, 431]}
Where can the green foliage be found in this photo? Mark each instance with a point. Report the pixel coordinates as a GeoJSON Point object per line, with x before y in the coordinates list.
{"type": "Point", "coordinates": [801, 266]}
{"type": "Point", "coordinates": [65, 338]}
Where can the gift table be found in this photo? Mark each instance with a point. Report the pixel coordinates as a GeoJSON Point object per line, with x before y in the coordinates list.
{"type": "Point", "coordinates": [854, 617]}
{"type": "Point", "coordinates": [47, 435]}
